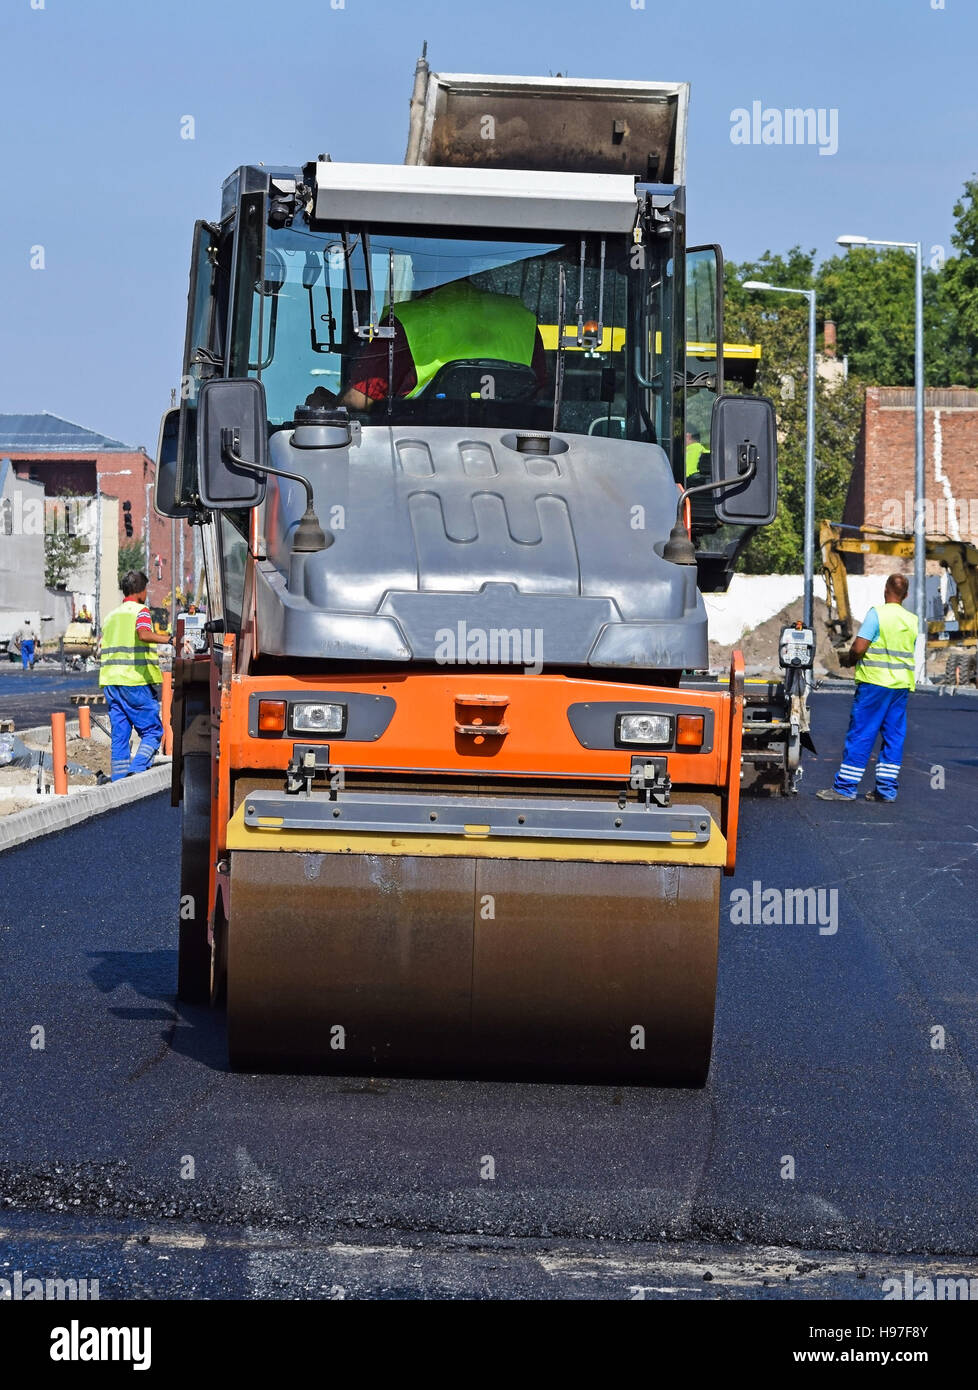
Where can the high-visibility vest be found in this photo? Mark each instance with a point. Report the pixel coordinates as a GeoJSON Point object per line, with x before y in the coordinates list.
{"type": "Point", "coordinates": [126, 658]}
{"type": "Point", "coordinates": [694, 452]}
{"type": "Point", "coordinates": [889, 660]}
{"type": "Point", "coordinates": [458, 321]}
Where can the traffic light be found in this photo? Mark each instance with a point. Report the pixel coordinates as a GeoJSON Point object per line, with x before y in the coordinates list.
{"type": "Point", "coordinates": [127, 517]}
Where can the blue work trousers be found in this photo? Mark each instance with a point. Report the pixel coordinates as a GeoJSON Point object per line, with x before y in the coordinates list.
{"type": "Point", "coordinates": [877, 710]}
{"type": "Point", "coordinates": [133, 707]}
{"type": "Point", "coordinates": [27, 654]}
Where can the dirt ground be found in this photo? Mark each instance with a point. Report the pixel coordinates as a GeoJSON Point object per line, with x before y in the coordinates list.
{"type": "Point", "coordinates": [760, 646]}
{"type": "Point", "coordinates": [93, 754]}
{"type": "Point", "coordinates": [13, 778]}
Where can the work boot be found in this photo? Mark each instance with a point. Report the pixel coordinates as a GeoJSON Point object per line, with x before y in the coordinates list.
{"type": "Point", "coordinates": [875, 796]}
{"type": "Point", "coordinates": [830, 794]}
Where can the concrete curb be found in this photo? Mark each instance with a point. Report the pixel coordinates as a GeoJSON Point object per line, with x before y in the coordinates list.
{"type": "Point", "coordinates": [62, 812]}
{"type": "Point", "coordinates": [954, 692]}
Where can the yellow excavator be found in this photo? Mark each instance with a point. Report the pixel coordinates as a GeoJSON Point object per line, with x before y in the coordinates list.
{"type": "Point", "coordinates": [958, 625]}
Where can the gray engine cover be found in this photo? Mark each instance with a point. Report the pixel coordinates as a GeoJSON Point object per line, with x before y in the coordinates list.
{"type": "Point", "coordinates": [437, 527]}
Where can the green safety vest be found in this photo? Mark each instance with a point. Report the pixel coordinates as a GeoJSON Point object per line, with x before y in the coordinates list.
{"type": "Point", "coordinates": [126, 658]}
{"type": "Point", "coordinates": [458, 321]}
{"type": "Point", "coordinates": [889, 660]}
{"type": "Point", "coordinates": [694, 452]}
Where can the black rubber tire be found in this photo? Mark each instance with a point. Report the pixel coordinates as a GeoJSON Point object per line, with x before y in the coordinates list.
{"type": "Point", "coordinates": [194, 951]}
{"type": "Point", "coordinates": [961, 665]}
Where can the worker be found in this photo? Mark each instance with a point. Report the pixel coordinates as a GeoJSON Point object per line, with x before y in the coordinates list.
{"type": "Point", "coordinates": [27, 639]}
{"type": "Point", "coordinates": [883, 655]}
{"type": "Point", "coordinates": [694, 451]}
{"type": "Point", "coordinates": [454, 322]}
{"type": "Point", "coordinates": [83, 614]}
{"type": "Point", "coordinates": [131, 678]}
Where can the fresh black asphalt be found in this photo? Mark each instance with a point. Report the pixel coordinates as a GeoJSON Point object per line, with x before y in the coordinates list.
{"type": "Point", "coordinates": [31, 697]}
{"type": "Point", "coordinates": [833, 1146]}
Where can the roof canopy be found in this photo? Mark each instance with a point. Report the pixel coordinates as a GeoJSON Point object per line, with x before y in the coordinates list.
{"type": "Point", "coordinates": [515, 199]}
{"type": "Point", "coordinates": [46, 432]}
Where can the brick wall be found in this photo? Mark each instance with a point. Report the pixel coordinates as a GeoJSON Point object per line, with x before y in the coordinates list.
{"type": "Point", "coordinates": [881, 491]}
{"type": "Point", "coordinates": [76, 472]}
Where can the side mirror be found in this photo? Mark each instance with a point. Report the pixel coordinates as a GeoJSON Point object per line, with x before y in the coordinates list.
{"type": "Point", "coordinates": [165, 498]}
{"type": "Point", "coordinates": [232, 443]}
{"type": "Point", "coordinates": [744, 444]}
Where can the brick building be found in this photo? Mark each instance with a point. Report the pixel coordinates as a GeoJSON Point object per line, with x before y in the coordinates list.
{"type": "Point", "coordinates": [68, 458]}
{"type": "Point", "coordinates": [881, 491]}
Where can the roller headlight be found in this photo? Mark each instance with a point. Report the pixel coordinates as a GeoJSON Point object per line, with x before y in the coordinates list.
{"type": "Point", "coordinates": [648, 730]}
{"type": "Point", "coordinates": [318, 718]}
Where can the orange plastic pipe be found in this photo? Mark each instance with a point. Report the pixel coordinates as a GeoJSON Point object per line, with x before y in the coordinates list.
{"type": "Point", "coordinates": [59, 755]}
{"type": "Point", "coordinates": [84, 722]}
{"type": "Point", "coordinates": [166, 713]}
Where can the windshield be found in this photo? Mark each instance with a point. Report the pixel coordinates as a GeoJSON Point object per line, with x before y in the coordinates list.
{"type": "Point", "coordinates": [569, 334]}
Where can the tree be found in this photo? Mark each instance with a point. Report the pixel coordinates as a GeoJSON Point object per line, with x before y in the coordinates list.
{"type": "Point", "coordinates": [957, 302]}
{"type": "Point", "coordinates": [132, 556]}
{"type": "Point", "coordinates": [62, 551]}
{"type": "Point", "coordinates": [869, 294]}
{"type": "Point", "coordinates": [779, 323]}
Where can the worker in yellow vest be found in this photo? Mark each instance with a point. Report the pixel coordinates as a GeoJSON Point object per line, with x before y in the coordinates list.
{"type": "Point", "coordinates": [695, 449]}
{"type": "Point", "coordinates": [130, 676]}
{"type": "Point", "coordinates": [883, 655]}
{"type": "Point", "coordinates": [451, 323]}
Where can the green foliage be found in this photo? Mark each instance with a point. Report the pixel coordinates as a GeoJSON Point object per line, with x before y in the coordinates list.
{"type": "Point", "coordinates": [132, 556]}
{"type": "Point", "coordinates": [62, 551]}
{"type": "Point", "coordinates": [957, 299]}
{"type": "Point", "coordinates": [869, 294]}
{"type": "Point", "coordinates": [780, 324]}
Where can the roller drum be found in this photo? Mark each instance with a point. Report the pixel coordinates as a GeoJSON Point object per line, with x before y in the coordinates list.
{"type": "Point", "coordinates": [395, 963]}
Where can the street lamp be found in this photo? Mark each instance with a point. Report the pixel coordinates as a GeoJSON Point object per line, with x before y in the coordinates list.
{"type": "Point", "coordinates": [809, 603]}
{"type": "Point", "coordinates": [119, 473]}
{"type": "Point", "coordinates": [919, 533]}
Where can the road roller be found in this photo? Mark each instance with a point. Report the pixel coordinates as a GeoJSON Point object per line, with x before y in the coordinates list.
{"type": "Point", "coordinates": [455, 446]}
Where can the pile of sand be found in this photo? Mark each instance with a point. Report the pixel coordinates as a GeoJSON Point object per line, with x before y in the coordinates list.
{"type": "Point", "coordinates": [760, 645]}
{"type": "Point", "coordinates": [91, 753]}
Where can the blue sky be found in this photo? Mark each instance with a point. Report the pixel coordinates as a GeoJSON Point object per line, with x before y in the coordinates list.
{"type": "Point", "coordinates": [96, 172]}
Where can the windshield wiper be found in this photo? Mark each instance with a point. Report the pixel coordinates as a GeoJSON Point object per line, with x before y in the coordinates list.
{"type": "Point", "coordinates": [372, 329]}
{"type": "Point", "coordinates": [561, 329]}
{"type": "Point", "coordinates": [310, 278]}
{"type": "Point", "coordinates": [591, 340]}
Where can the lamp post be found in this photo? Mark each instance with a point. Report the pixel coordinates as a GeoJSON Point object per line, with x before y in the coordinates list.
{"type": "Point", "coordinates": [919, 480]}
{"type": "Point", "coordinates": [119, 473]}
{"type": "Point", "coordinates": [809, 551]}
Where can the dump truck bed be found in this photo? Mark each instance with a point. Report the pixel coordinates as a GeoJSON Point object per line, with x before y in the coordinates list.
{"type": "Point", "coordinates": [560, 124]}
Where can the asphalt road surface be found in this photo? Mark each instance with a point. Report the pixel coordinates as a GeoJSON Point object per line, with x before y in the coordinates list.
{"type": "Point", "coordinates": [31, 697]}
{"type": "Point", "coordinates": [833, 1148]}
